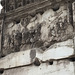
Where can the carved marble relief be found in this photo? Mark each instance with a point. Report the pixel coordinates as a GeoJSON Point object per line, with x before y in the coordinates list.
{"type": "Point", "coordinates": [40, 31]}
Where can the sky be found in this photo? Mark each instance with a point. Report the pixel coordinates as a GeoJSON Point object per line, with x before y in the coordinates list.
{"type": "Point", "coordinates": [0, 7]}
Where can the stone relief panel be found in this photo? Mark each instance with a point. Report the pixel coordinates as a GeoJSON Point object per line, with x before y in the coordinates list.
{"type": "Point", "coordinates": [40, 31]}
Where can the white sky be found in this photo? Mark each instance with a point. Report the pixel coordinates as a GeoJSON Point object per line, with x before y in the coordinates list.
{"type": "Point", "coordinates": [0, 7]}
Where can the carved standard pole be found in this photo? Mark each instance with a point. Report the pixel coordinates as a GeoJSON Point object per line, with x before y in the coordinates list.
{"type": "Point", "coordinates": [70, 12]}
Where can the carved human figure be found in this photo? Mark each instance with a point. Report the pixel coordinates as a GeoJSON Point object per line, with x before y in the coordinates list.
{"type": "Point", "coordinates": [52, 34]}
{"type": "Point", "coordinates": [25, 32]}
{"type": "Point", "coordinates": [44, 31]}
{"type": "Point", "coordinates": [32, 36]}
{"type": "Point", "coordinates": [25, 36]}
{"type": "Point", "coordinates": [37, 30]}
{"type": "Point", "coordinates": [65, 23]}
{"type": "Point", "coordinates": [12, 39]}
{"type": "Point", "coordinates": [17, 40]}
{"type": "Point", "coordinates": [19, 3]}
{"type": "Point", "coordinates": [37, 38]}
{"type": "Point", "coordinates": [22, 21]}
{"type": "Point", "coordinates": [7, 41]}
{"type": "Point", "coordinates": [11, 5]}
{"type": "Point", "coordinates": [29, 17]}
{"type": "Point", "coordinates": [60, 27]}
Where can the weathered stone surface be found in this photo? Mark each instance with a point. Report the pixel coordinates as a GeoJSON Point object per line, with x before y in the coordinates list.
{"type": "Point", "coordinates": [57, 68]}
{"type": "Point", "coordinates": [58, 51]}
{"type": "Point", "coordinates": [41, 34]}
{"type": "Point", "coordinates": [41, 30]}
{"type": "Point", "coordinates": [73, 7]}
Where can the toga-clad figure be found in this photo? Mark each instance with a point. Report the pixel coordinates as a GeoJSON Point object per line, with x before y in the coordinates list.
{"type": "Point", "coordinates": [17, 40]}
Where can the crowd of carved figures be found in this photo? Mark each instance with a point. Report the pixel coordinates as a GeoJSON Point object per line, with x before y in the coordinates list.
{"type": "Point", "coordinates": [33, 37]}
{"type": "Point", "coordinates": [19, 38]}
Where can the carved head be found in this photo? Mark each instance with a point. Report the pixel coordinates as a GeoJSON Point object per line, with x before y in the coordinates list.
{"type": "Point", "coordinates": [22, 21]}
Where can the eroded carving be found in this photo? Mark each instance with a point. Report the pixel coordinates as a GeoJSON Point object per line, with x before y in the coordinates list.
{"type": "Point", "coordinates": [11, 5]}
{"type": "Point", "coordinates": [19, 3]}
{"type": "Point", "coordinates": [17, 40]}
{"type": "Point", "coordinates": [40, 31]}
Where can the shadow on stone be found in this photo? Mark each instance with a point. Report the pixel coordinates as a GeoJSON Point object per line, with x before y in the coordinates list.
{"type": "Point", "coordinates": [1, 71]}
{"type": "Point", "coordinates": [37, 62]}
